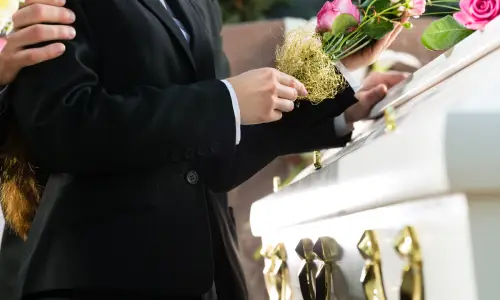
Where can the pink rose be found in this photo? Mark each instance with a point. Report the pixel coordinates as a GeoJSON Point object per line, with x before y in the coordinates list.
{"type": "Point", "coordinates": [416, 8]}
{"type": "Point", "coordinates": [475, 14]}
{"type": "Point", "coordinates": [331, 10]}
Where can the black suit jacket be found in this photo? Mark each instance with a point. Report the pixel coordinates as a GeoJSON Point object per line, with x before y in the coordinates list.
{"type": "Point", "coordinates": [137, 135]}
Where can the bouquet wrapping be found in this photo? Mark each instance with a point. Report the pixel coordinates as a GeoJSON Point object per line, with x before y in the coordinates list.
{"type": "Point", "coordinates": [342, 29]}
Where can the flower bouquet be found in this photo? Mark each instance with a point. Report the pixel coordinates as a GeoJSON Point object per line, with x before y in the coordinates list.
{"type": "Point", "coordinates": [342, 29]}
{"type": "Point", "coordinates": [472, 15]}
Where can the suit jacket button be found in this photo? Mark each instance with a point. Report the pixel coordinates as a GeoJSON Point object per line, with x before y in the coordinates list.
{"type": "Point", "coordinates": [192, 177]}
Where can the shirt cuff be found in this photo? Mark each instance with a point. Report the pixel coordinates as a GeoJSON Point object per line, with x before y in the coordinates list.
{"type": "Point", "coordinates": [341, 126]}
{"type": "Point", "coordinates": [236, 109]}
{"type": "Point", "coordinates": [353, 82]}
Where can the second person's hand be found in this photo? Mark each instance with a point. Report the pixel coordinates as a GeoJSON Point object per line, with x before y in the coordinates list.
{"type": "Point", "coordinates": [370, 53]}
{"type": "Point", "coordinates": [264, 94]}
{"type": "Point", "coordinates": [35, 22]}
{"type": "Point", "coordinates": [374, 89]}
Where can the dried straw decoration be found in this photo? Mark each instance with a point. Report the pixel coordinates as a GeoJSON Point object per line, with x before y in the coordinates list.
{"type": "Point", "coordinates": [302, 57]}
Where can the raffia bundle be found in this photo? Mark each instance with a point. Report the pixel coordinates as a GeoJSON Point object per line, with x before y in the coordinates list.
{"type": "Point", "coordinates": [303, 57]}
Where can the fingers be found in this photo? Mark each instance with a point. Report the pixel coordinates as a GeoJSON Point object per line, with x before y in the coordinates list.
{"type": "Point", "coordinates": [47, 2]}
{"type": "Point", "coordinates": [287, 92]}
{"type": "Point", "coordinates": [390, 79]}
{"type": "Point", "coordinates": [40, 33]}
{"type": "Point", "coordinates": [276, 115]}
{"type": "Point", "coordinates": [384, 43]}
{"type": "Point", "coordinates": [394, 34]}
{"type": "Point", "coordinates": [42, 13]}
{"type": "Point", "coordinates": [285, 98]}
{"type": "Point", "coordinates": [300, 88]}
{"type": "Point", "coordinates": [34, 56]}
{"type": "Point", "coordinates": [389, 38]}
{"type": "Point", "coordinates": [285, 79]}
{"type": "Point", "coordinates": [290, 81]}
{"type": "Point", "coordinates": [372, 96]}
{"type": "Point", "coordinates": [397, 30]}
{"type": "Point", "coordinates": [283, 105]}
{"type": "Point", "coordinates": [380, 46]}
{"type": "Point", "coordinates": [405, 17]}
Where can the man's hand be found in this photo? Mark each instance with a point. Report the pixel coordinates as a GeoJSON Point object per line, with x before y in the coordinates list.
{"type": "Point", "coordinates": [369, 54]}
{"type": "Point", "coordinates": [264, 94]}
{"type": "Point", "coordinates": [374, 89]}
{"type": "Point", "coordinates": [30, 30]}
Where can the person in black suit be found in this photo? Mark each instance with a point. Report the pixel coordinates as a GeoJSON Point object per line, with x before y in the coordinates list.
{"type": "Point", "coordinates": [122, 149]}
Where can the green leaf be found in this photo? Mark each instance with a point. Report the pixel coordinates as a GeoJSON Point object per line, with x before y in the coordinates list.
{"type": "Point", "coordinates": [377, 28]}
{"type": "Point", "coordinates": [342, 23]}
{"type": "Point", "coordinates": [444, 33]}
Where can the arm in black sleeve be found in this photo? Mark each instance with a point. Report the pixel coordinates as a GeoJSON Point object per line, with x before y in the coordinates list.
{"type": "Point", "coordinates": [71, 123]}
{"type": "Point", "coordinates": [309, 127]}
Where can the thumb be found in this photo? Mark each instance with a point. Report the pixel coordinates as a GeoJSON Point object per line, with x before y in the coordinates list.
{"type": "Point", "coordinates": [372, 96]}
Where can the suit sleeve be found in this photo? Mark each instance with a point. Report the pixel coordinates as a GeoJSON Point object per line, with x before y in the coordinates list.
{"type": "Point", "coordinates": [71, 123]}
{"type": "Point", "coordinates": [309, 127]}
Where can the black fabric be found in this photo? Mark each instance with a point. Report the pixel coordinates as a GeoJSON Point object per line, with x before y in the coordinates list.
{"type": "Point", "coordinates": [11, 256]}
{"type": "Point", "coordinates": [229, 274]}
{"type": "Point", "coordinates": [138, 137]}
{"type": "Point", "coordinates": [100, 294]}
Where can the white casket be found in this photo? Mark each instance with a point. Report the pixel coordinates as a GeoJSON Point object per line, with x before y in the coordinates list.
{"type": "Point", "coordinates": [408, 213]}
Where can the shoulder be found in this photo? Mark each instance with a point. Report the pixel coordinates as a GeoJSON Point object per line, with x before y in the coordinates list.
{"type": "Point", "coordinates": [209, 11]}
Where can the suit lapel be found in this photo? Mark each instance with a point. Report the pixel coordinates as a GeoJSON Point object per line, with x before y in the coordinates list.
{"type": "Point", "coordinates": [188, 13]}
{"type": "Point", "coordinates": [166, 19]}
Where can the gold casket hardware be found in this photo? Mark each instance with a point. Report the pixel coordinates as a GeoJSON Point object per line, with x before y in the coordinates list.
{"type": "Point", "coordinates": [308, 269]}
{"type": "Point", "coordinates": [408, 247]}
{"type": "Point", "coordinates": [330, 282]}
{"type": "Point", "coordinates": [371, 276]}
{"type": "Point", "coordinates": [317, 160]}
{"type": "Point", "coordinates": [276, 184]}
{"type": "Point", "coordinates": [276, 273]}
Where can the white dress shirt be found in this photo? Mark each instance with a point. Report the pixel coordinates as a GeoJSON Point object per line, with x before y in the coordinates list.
{"type": "Point", "coordinates": [340, 125]}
